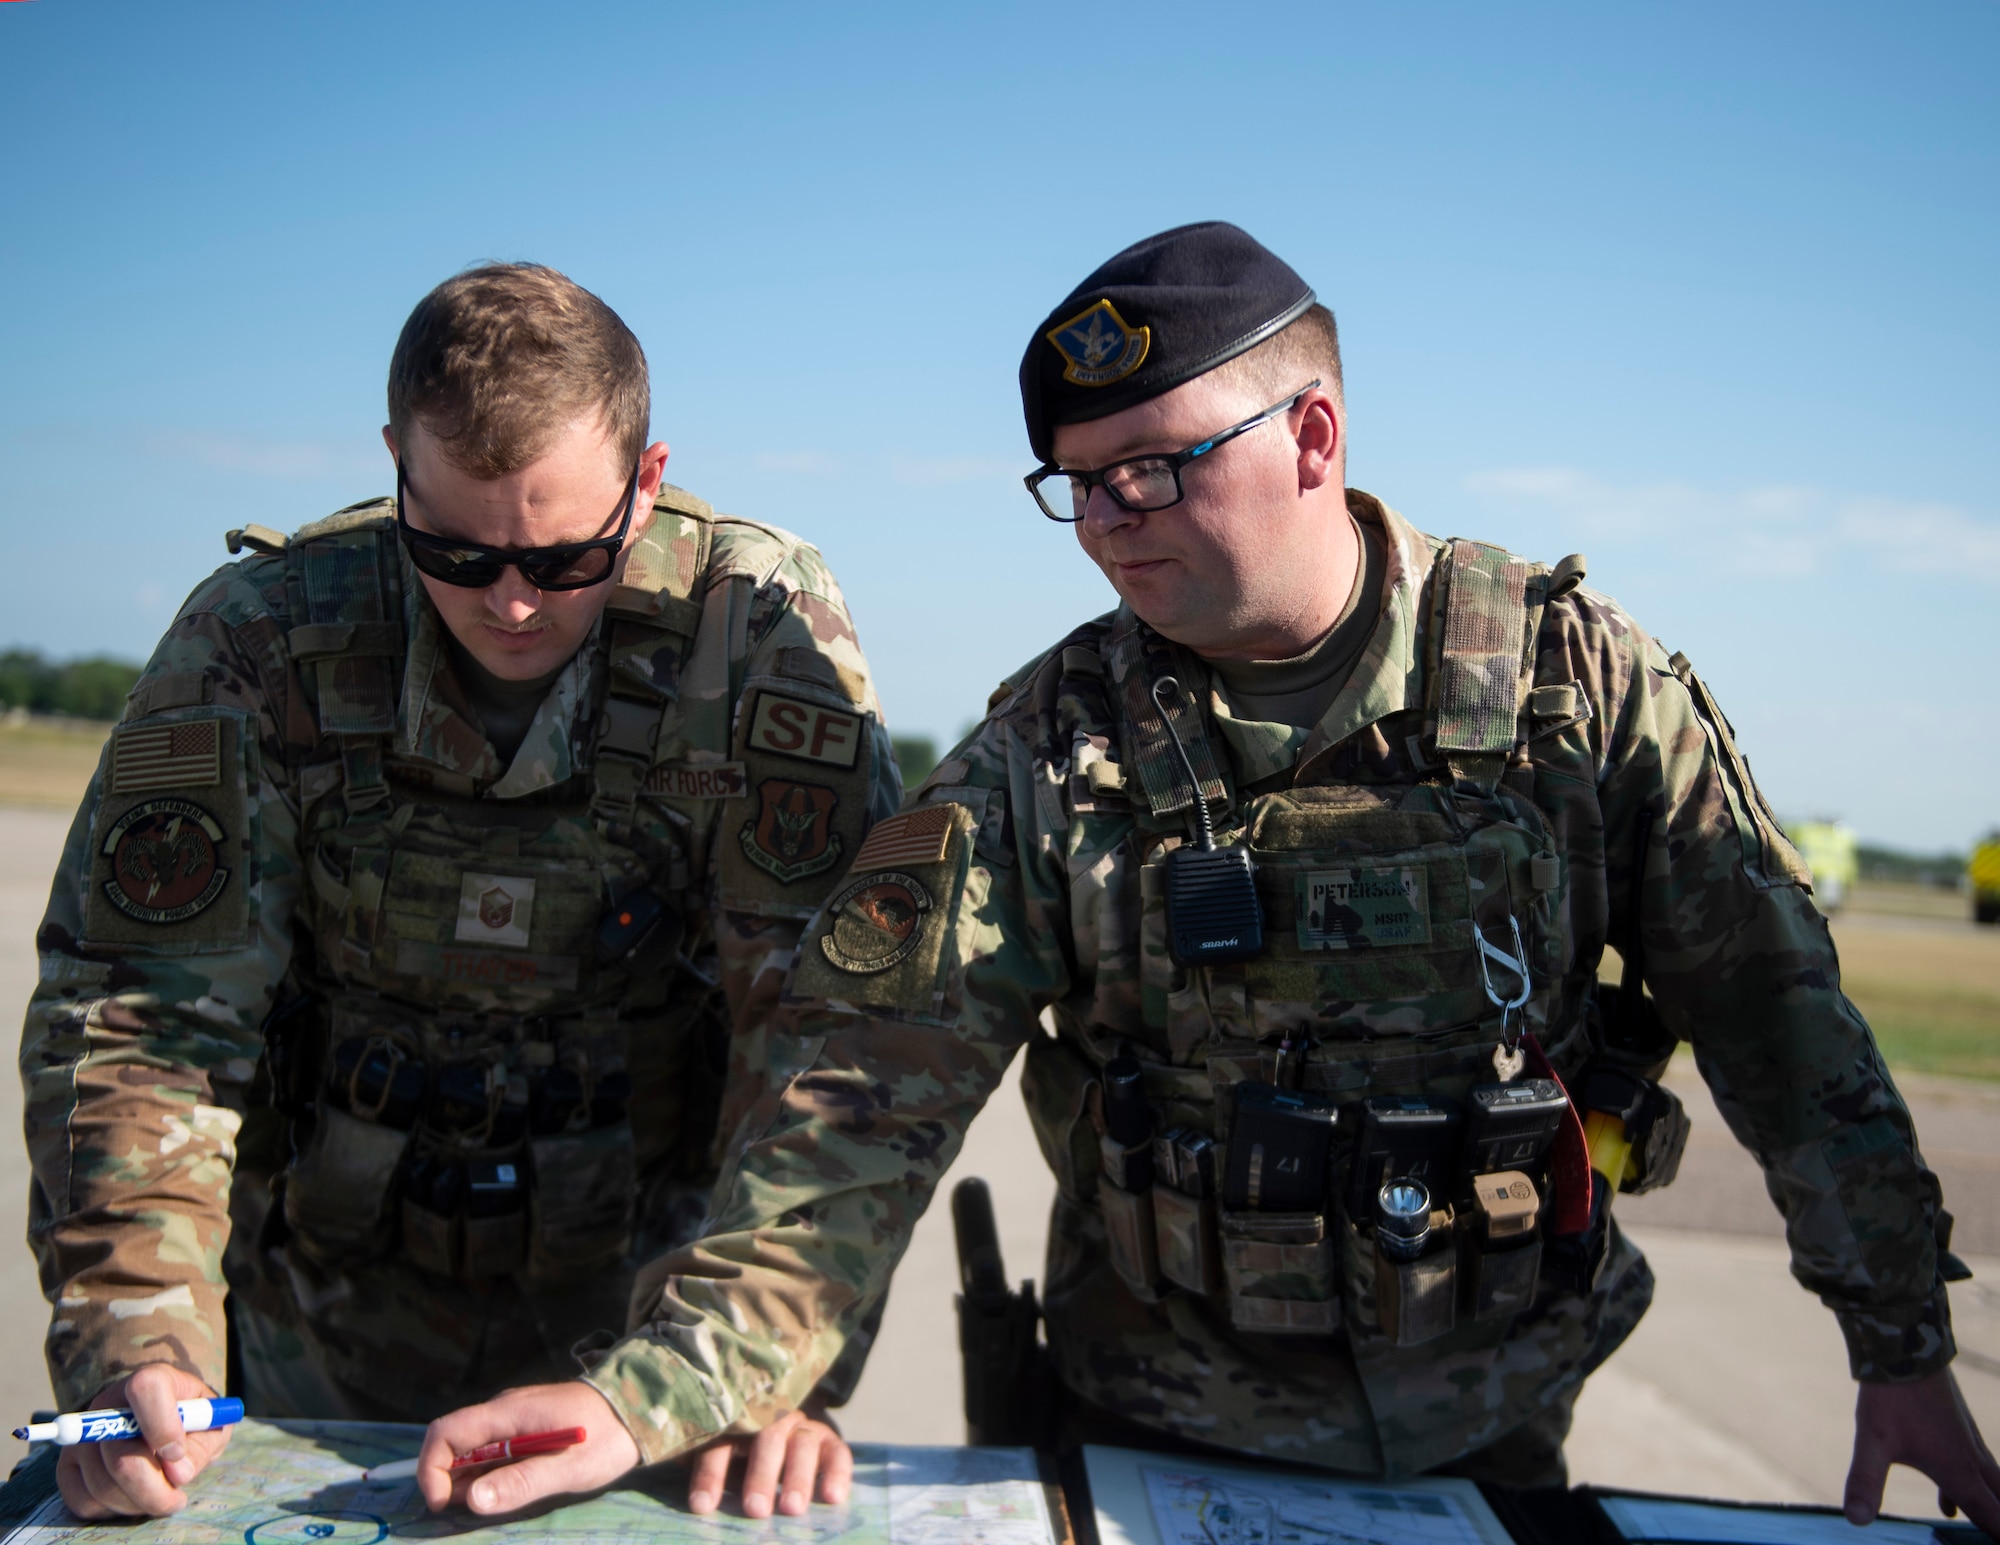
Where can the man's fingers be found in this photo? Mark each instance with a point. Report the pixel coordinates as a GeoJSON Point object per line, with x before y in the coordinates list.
{"type": "Point", "coordinates": [509, 1487]}
{"type": "Point", "coordinates": [801, 1468]}
{"type": "Point", "coordinates": [1862, 1499]}
{"type": "Point", "coordinates": [766, 1461]}
{"type": "Point", "coordinates": [836, 1469]}
{"type": "Point", "coordinates": [75, 1493]}
{"type": "Point", "coordinates": [153, 1393]}
{"type": "Point", "coordinates": [434, 1467]}
{"type": "Point", "coordinates": [711, 1470]}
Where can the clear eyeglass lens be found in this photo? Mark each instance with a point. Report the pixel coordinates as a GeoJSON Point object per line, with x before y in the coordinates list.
{"type": "Point", "coordinates": [1143, 485]}
{"type": "Point", "coordinates": [1062, 496]}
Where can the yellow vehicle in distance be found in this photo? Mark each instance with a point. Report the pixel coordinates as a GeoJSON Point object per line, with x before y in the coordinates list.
{"type": "Point", "coordinates": [1982, 874]}
{"type": "Point", "coordinates": [1829, 849]}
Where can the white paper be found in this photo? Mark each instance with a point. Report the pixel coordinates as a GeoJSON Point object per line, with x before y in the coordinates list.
{"type": "Point", "coordinates": [1699, 1523]}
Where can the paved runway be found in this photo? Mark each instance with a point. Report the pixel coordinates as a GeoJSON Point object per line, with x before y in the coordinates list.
{"type": "Point", "coordinates": [1734, 1385]}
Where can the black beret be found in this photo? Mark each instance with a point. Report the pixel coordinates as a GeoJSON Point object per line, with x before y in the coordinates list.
{"type": "Point", "coordinates": [1163, 311]}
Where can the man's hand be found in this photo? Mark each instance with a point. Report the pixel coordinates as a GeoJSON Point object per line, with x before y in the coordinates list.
{"type": "Point", "coordinates": [142, 1476]}
{"type": "Point", "coordinates": [798, 1447]}
{"type": "Point", "coordinates": [1923, 1425]}
{"type": "Point", "coordinates": [606, 1452]}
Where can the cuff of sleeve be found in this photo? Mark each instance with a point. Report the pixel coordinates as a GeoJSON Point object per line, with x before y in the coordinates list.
{"type": "Point", "coordinates": [659, 1398]}
{"type": "Point", "coordinates": [1898, 1343]}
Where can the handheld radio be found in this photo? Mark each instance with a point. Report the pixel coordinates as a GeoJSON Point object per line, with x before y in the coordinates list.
{"type": "Point", "coordinates": [1213, 913]}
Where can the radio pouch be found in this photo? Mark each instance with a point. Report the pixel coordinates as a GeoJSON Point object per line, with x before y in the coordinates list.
{"type": "Point", "coordinates": [338, 1198]}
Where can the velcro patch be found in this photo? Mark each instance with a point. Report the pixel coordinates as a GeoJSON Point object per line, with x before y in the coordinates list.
{"type": "Point", "coordinates": [912, 837]}
{"type": "Point", "coordinates": [495, 909]}
{"type": "Point", "coordinates": [1363, 908]}
{"type": "Point", "coordinates": [172, 837]}
{"type": "Point", "coordinates": [791, 837]}
{"type": "Point", "coordinates": [789, 726]}
{"type": "Point", "coordinates": [698, 780]}
{"type": "Point", "coordinates": [145, 757]}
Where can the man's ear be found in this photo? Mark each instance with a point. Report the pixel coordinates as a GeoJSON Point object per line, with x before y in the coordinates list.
{"type": "Point", "coordinates": [652, 471]}
{"type": "Point", "coordinates": [389, 439]}
{"type": "Point", "coordinates": [1320, 437]}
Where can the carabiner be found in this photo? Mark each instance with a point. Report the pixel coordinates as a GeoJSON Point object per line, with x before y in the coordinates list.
{"type": "Point", "coordinates": [1517, 963]}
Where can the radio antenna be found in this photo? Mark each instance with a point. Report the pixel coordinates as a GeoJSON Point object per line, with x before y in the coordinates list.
{"type": "Point", "coordinates": [1163, 689]}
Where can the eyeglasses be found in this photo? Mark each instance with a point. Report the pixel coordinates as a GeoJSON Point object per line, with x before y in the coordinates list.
{"type": "Point", "coordinates": [568, 566]}
{"type": "Point", "coordinates": [1144, 482]}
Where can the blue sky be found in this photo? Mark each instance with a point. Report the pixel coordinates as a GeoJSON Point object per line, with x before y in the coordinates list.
{"type": "Point", "coordinates": [1705, 291]}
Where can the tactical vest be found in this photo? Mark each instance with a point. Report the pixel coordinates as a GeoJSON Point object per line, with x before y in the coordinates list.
{"type": "Point", "coordinates": [488, 992]}
{"type": "Point", "coordinates": [1410, 927]}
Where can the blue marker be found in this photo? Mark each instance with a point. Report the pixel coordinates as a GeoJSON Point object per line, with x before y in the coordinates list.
{"type": "Point", "coordinates": [107, 1426]}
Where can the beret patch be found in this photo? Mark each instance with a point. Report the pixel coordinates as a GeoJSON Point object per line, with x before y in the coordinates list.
{"type": "Point", "coordinates": [1098, 347]}
{"type": "Point", "coordinates": [1162, 312]}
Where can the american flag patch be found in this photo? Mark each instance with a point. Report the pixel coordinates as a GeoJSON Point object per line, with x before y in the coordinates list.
{"type": "Point", "coordinates": [914, 837]}
{"type": "Point", "coordinates": [166, 756]}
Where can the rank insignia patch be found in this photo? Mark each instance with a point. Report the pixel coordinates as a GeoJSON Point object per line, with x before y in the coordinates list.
{"type": "Point", "coordinates": [878, 921]}
{"type": "Point", "coordinates": [495, 909]}
{"type": "Point", "coordinates": [1098, 347]}
{"type": "Point", "coordinates": [792, 835]}
{"type": "Point", "coordinates": [166, 861]}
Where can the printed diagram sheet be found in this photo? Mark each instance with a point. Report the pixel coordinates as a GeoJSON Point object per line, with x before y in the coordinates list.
{"type": "Point", "coordinates": [299, 1483]}
{"type": "Point", "coordinates": [1204, 1505]}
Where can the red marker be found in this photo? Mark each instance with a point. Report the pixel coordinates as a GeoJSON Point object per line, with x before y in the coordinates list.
{"type": "Point", "coordinates": [488, 1453]}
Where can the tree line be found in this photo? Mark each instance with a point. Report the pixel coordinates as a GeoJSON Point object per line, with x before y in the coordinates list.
{"type": "Point", "coordinates": [85, 689]}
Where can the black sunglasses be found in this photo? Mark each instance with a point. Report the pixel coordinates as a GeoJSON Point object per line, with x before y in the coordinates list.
{"type": "Point", "coordinates": [569, 566]}
{"type": "Point", "coordinates": [1144, 482]}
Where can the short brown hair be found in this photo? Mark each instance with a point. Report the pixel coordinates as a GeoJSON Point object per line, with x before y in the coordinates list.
{"type": "Point", "coordinates": [499, 360]}
{"type": "Point", "coordinates": [1287, 360]}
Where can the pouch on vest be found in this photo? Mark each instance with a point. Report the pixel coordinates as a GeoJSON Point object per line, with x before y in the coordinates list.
{"type": "Point", "coordinates": [1184, 1210]}
{"type": "Point", "coordinates": [1129, 1227]}
{"type": "Point", "coordinates": [584, 1202]}
{"type": "Point", "coordinates": [496, 1220]}
{"type": "Point", "coordinates": [339, 1197]}
{"type": "Point", "coordinates": [1415, 1265]}
{"type": "Point", "coordinates": [433, 1208]}
{"type": "Point", "coordinates": [1500, 1256]}
{"type": "Point", "coordinates": [1279, 1269]}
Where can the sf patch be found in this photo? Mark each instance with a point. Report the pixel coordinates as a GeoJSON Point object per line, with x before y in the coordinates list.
{"type": "Point", "coordinates": [792, 837]}
{"type": "Point", "coordinates": [1098, 347]}
{"type": "Point", "coordinates": [166, 861]}
{"type": "Point", "coordinates": [812, 732]}
{"type": "Point", "coordinates": [876, 923]}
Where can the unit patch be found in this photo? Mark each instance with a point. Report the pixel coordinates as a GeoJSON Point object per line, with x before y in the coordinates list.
{"type": "Point", "coordinates": [1362, 908]}
{"type": "Point", "coordinates": [698, 780]}
{"type": "Point", "coordinates": [792, 835]}
{"type": "Point", "coordinates": [791, 727]}
{"type": "Point", "coordinates": [165, 859]}
{"type": "Point", "coordinates": [495, 909]}
{"type": "Point", "coordinates": [878, 921]}
{"type": "Point", "coordinates": [166, 756]}
{"type": "Point", "coordinates": [1098, 347]}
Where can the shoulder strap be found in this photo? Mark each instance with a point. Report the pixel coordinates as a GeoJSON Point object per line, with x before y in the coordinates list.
{"type": "Point", "coordinates": [342, 579]}
{"type": "Point", "coordinates": [1486, 610]}
{"type": "Point", "coordinates": [1138, 657]}
{"type": "Point", "coordinates": [651, 622]}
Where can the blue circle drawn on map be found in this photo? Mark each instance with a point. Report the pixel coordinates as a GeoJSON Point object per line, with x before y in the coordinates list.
{"type": "Point", "coordinates": [329, 1528]}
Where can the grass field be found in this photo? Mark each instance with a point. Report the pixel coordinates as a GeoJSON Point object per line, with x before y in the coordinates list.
{"type": "Point", "coordinates": [45, 764]}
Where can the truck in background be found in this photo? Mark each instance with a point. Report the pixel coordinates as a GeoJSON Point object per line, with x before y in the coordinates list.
{"type": "Point", "coordinates": [1982, 875]}
{"type": "Point", "coordinates": [1829, 849]}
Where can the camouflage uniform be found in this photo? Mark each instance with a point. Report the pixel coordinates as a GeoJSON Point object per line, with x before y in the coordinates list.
{"type": "Point", "coordinates": [1523, 755]}
{"type": "Point", "coordinates": [339, 1009]}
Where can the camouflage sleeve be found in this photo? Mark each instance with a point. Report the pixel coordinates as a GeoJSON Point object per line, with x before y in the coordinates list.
{"type": "Point", "coordinates": [1742, 967]}
{"type": "Point", "coordinates": [167, 931]}
{"type": "Point", "coordinates": [916, 982]}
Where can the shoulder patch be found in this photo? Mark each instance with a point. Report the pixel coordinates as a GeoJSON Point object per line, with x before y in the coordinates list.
{"type": "Point", "coordinates": [809, 732]}
{"type": "Point", "coordinates": [880, 939]}
{"type": "Point", "coordinates": [170, 843]}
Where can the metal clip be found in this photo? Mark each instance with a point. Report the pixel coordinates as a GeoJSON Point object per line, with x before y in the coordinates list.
{"type": "Point", "coordinates": [1516, 962]}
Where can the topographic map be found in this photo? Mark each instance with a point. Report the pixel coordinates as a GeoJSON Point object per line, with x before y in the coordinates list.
{"type": "Point", "coordinates": [1214, 1506]}
{"type": "Point", "coordinates": [299, 1483]}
